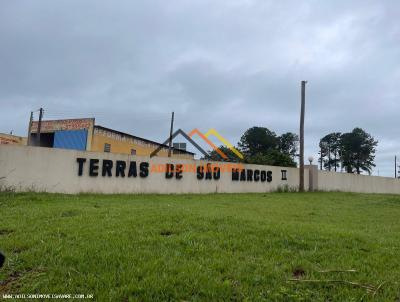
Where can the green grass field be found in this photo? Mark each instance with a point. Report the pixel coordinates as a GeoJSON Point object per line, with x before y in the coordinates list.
{"type": "Point", "coordinates": [216, 247]}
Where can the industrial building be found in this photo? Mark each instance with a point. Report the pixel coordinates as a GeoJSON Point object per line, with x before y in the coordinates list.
{"type": "Point", "coordinates": [84, 134]}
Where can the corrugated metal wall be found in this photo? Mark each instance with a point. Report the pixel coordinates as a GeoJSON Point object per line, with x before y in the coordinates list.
{"type": "Point", "coordinates": [70, 139]}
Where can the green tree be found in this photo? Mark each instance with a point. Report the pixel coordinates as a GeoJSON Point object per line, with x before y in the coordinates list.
{"type": "Point", "coordinates": [272, 158]}
{"type": "Point", "coordinates": [215, 156]}
{"type": "Point", "coordinates": [288, 144]}
{"type": "Point", "coordinates": [258, 140]}
{"type": "Point", "coordinates": [330, 150]}
{"type": "Point", "coordinates": [357, 150]}
{"type": "Point", "coordinates": [262, 146]}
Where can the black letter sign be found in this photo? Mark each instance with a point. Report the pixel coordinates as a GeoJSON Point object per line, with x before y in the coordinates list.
{"type": "Point", "coordinates": [217, 173]}
{"type": "Point", "coordinates": [120, 168]}
{"type": "Point", "coordinates": [80, 165]}
{"type": "Point", "coordinates": [93, 167]}
{"type": "Point", "coordinates": [169, 172]}
{"type": "Point", "coordinates": [178, 173]}
{"type": "Point", "coordinates": [200, 172]}
{"type": "Point", "coordinates": [107, 166]}
{"type": "Point", "coordinates": [235, 174]}
{"type": "Point", "coordinates": [132, 169]}
{"type": "Point", "coordinates": [144, 169]}
{"type": "Point", "coordinates": [208, 172]}
{"type": "Point", "coordinates": [284, 174]}
{"type": "Point", "coordinates": [269, 176]}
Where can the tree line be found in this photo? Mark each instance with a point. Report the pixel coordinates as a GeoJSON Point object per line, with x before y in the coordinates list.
{"type": "Point", "coordinates": [259, 145]}
{"type": "Point", "coordinates": [353, 152]}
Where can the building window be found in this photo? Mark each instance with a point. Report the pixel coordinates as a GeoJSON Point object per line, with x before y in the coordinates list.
{"type": "Point", "coordinates": [107, 147]}
{"type": "Point", "coordinates": [133, 152]}
{"type": "Point", "coordinates": [179, 146]}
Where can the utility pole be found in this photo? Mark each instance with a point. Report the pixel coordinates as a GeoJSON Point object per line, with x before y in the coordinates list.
{"type": "Point", "coordinates": [303, 104]}
{"type": "Point", "coordinates": [395, 166]}
{"type": "Point", "coordinates": [39, 125]}
{"type": "Point", "coordinates": [170, 135]}
{"type": "Point", "coordinates": [30, 129]}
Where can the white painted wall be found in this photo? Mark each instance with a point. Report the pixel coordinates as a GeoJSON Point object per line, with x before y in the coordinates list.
{"type": "Point", "coordinates": [25, 168]}
{"type": "Point", "coordinates": [334, 181]}
{"type": "Point", "coordinates": [55, 170]}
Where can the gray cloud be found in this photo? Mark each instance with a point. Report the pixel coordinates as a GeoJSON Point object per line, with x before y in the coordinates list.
{"type": "Point", "coordinates": [227, 65]}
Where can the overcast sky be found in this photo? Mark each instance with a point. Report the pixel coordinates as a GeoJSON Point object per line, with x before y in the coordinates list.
{"type": "Point", "coordinates": [227, 65]}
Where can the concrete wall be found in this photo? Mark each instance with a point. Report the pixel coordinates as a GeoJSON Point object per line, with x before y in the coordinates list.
{"type": "Point", "coordinates": [56, 170]}
{"type": "Point", "coordinates": [334, 181]}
